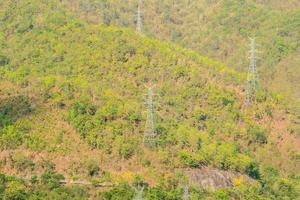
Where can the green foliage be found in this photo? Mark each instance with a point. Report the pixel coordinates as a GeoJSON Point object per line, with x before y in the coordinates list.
{"type": "Point", "coordinates": [189, 160]}
{"type": "Point", "coordinates": [46, 165]}
{"type": "Point", "coordinates": [81, 116]}
{"type": "Point", "coordinates": [21, 162]}
{"type": "Point", "coordinates": [12, 188]}
{"type": "Point", "coordinates": [222, 194]}
{"type": "Point", "coordinates": [277, 187]}
{"type": "Point", "coordinates": [35, 143]}
{"type": "Point", "coordinates": [13, 108]}
{"type": "Point", "coordinates": [4, 60]}
{"type": "Point", "coordinates": [215, 33]}
{"type": "Point", "coordinates": [160, 193]}
{"type": "Point", "coordinates": [96, 75]}
{"type": "Point", "coordinates": [253, 170]}
{"type": "Point", "coordinates": [121, 192]}
{"type": "Point", "coordinates": [51, 179]}
{"type": "Point", "coordinates": [257, 135]}
{"type": "Point", "coordinates": [15, 191]}
{"type": "Point", "coordinates": [93, 168]}
{"type": "Point", "coordinates": [127, 150]}
{"type": "Point", "coordinates": [110, 116]}
{"type": "Point", "coordinates": [10, 138]}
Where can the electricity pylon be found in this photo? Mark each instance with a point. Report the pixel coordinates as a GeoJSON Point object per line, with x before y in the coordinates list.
{"type": "Point", "coordinates": [150, 137]}
{"type": "Point", "coordinates": [139, 17]}
{"type": "Point", "coordinates": [139, 195]}
{"type": "Point", "coordinates": [186, 195]}
{"type": "Point", "coordinates": [252, 79]}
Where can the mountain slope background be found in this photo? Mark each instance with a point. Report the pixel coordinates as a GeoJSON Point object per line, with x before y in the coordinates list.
{"type": "Point", "coordinates": [219, 29]}
{"type": "Point", "coordinates": [72, 102]}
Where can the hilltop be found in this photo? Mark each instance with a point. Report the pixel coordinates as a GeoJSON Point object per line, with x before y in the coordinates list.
{"type": "Point", "coordinates": [72, 102]}
{"type": "Point", "coordinates": [219, 29]}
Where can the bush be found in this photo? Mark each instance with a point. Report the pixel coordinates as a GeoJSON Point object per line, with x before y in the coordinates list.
{"type": "Point", "coordinates": [21, 162]}
{"type": "Point", "coordinates": [221, 194]}
{"type": "Point", "coordinates": [10, 138]}
{"type": "Point", "coordinates": [3, 60]}
{"type": "Point", "coordinates": [121, 192]}
{"type": "Point", "coordinates": [35, 143]}
{"type": "Point", "coordinates": [13, 108]}
{"type": "Point", "coordinates": [257, 135]}
{"type": "Point", "coordinates": [123, 52]}
{"type": "Point", "coordinates": [253, 170]}
{"type": "Point", "coordinates": [51, 179]}
{"type": "Point", "coordinates": [191, 160]}
{"type": "Point", "coordinates": [93, 168]}
{"type": "Point", "coordinates": [15, 191]}
{"type": "Point", "coordinates": [46, 165]}
{"type": "Point", "coordinates": [127, 150]}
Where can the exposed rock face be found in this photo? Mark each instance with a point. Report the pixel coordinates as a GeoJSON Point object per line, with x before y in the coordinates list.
{"type": "Point", "coordinates": [212, 178]}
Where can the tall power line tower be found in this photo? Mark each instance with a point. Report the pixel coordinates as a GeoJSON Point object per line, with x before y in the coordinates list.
{"type": "Point", "coordinates": [186, 195]}
{"type": "Point", "coordinates": [252, 79]}
{"type": "Point", "coordinates": [139, 17]}
{"type": "Point", "coordinates": [139, 195]}
{"type": "Point", "coordinates": [150, 136]}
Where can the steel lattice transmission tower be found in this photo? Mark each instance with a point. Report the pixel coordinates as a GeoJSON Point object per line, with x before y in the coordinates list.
{"type": "Point", "coordinates": [139, 195]}
{"type": "Point", "coordinates": [150, 137]}
{"type": "Point", "coordinates": [186, 195]}
{"type": "Point", "coordinates": [252, 79]}
{"type": "Point", "coordinates": [139, 17]}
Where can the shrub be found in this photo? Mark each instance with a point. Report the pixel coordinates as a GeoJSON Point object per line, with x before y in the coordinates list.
{"type": "Point", "coordinates": [35, 143]}
{"type": "Point", "coordinates": [13, 108]}
{"type": "Point", "coordinates": [284, 188]}
{"type": "Point", "coordinates": [134, 117]}
{"type": "Point", "coordinates": [253, 170]}
{"type": "Point", "coordinates": [123, 51]}
{"type": "Point", "coordinates": [46, 165]}
{"type": "Point", "coordinates": [121, 192]}
{"type": "Point", "coordinates": [93, 168]}
{"type": "Point", "coordinates": [15, 191]}
{"type": "Point", "coordinates": [127, 150]}
{"type": "Point", "coordinates": [156, 193]}
{"type": "Point", "coordinates": [261, 96]}
{"type": "Point", "coordinates": [21, 162]}
{"type": "Point", "coordinates": [2, 179]}
{"type": "Point", "coordinates": [4, 60]}
{"type": "Point", "coordinates": [269, 110]}
{"type": "Point", "coordinates": [160, 193]}
{"type": "Point", "coordinates": [191, 160]}
{"type": "Point", "coordinates": [224, 156]}
{"type": "Point", "coordinates": [34, 180]}
{"type": "Point", "coordinates": [10, 138]}
{"type": "Point", "coordinates": [51, 179]}
{"type": "Point", "coordinates": [221, 194]}
{"type": "Point", "coordinates": [257, 135]}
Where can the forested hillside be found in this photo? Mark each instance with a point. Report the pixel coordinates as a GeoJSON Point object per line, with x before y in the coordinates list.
{"type": "Point", "coordinates": [219, 29]}
{"type": "Point", "coordinates": [72, 106]}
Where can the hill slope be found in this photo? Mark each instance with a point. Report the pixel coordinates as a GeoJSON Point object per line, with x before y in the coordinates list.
{"type": "Point", "coordinates": [219, 29]}
{"type": "Point", "coordinates": [71, 100]}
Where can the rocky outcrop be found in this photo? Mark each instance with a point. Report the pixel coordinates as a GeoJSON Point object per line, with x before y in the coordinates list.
{"type": "Point", "coordinates": [213, 178]}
